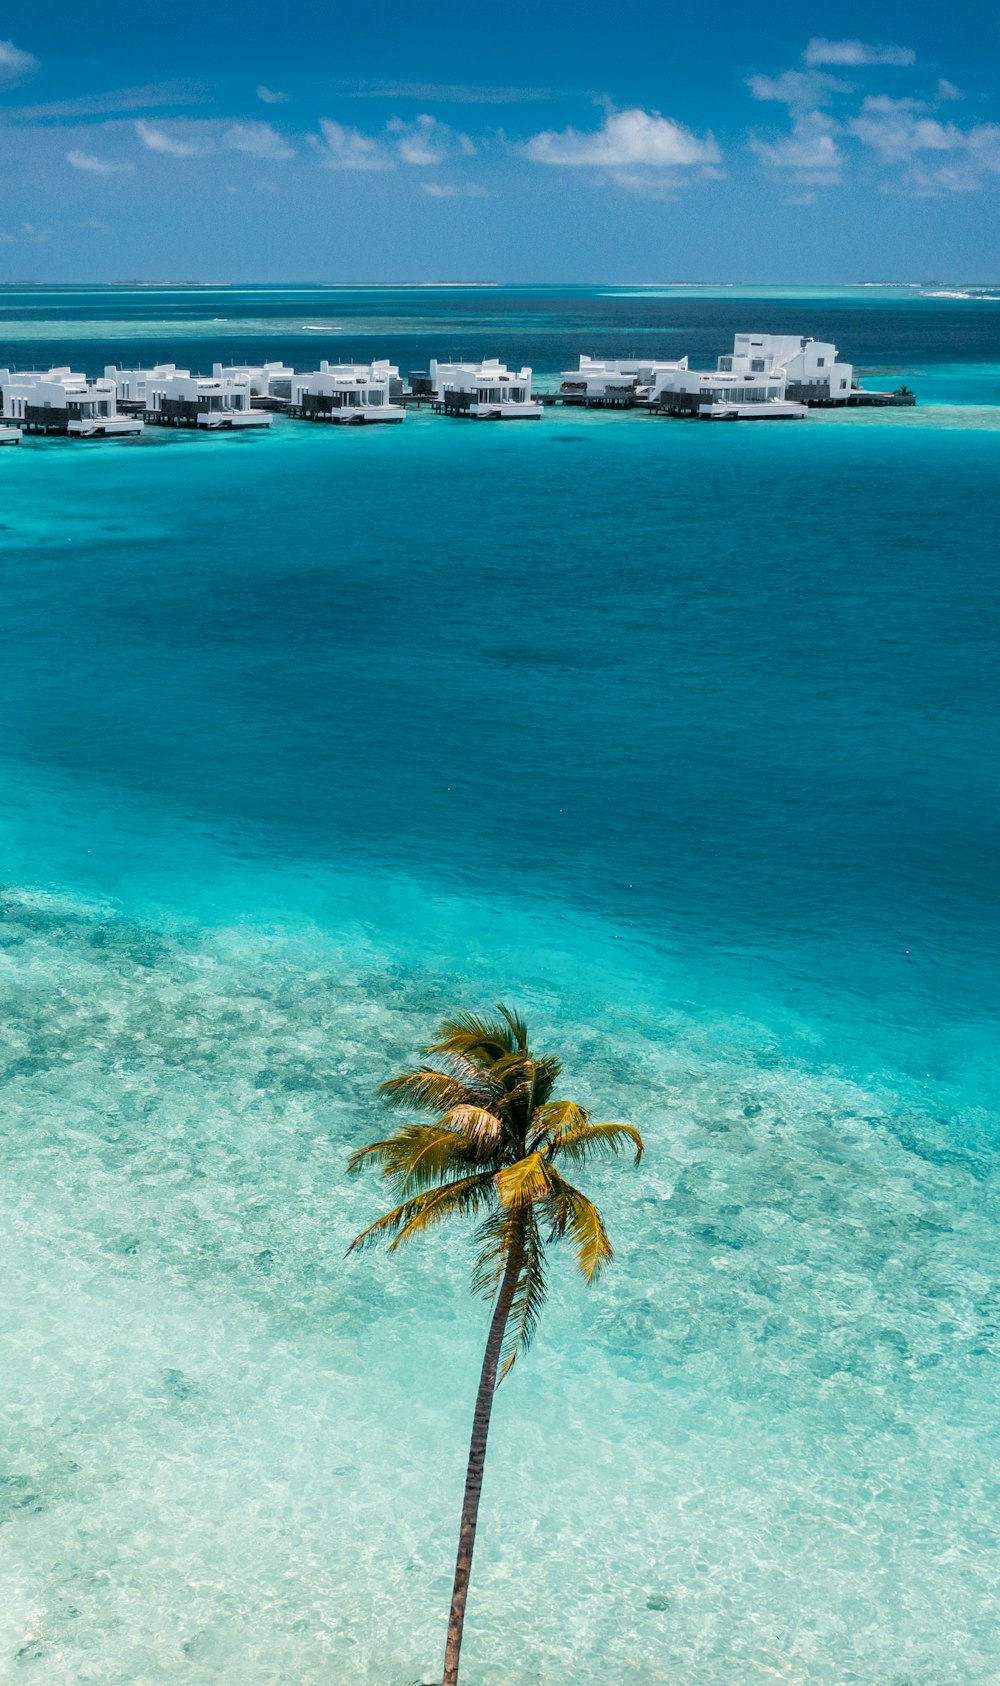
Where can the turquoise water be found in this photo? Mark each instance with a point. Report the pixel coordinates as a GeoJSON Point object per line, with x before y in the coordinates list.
{"type": "Point", "coordinates": [683, 738]}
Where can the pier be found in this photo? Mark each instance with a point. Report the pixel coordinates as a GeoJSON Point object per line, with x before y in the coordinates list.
{"type": "Point", "coordinates": [862, 399]}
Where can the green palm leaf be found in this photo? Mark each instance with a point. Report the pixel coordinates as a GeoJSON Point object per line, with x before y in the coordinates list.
{"type": "Point", "coordinates": [434, 1091]}
{"type": "Point", "coordinates": [504, 1235]}
{"type": "Point", "coordinates": [484, 1128]}
{"type": "Point", "coordinates": [482, 1039]}
{"type": "Point", "coordinates": [526, 1307]}
{"type": "Point", "coordinates": [428, 1090]}
{"type": "Point", "coordinates": [572, 1213]}
{"type": "Point", "coordinates": [527, 1180]}
{"type": "Point", "coordinates": [422, 1154]}
{"type": "Point", "coordinates": [582, 1142]}
{"type": "Point", "coordinates": [413, 1217]}
{"type": "Point", "coordinates": [556, 1117]}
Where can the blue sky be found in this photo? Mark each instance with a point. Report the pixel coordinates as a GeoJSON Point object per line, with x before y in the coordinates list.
{"type": "Point", "coordinates": [380, 140]}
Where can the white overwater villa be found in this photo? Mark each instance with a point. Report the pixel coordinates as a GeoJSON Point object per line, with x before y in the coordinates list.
{"type": "Point", "coordinates": [614, 383]}
{"type": "Point", "coordinates": [179, 399]}
{"type": "Point", "coordinates": [349, 392]}
{"type": "Point", "coordinates": [270, 383]}
{"type": "Point", "coordinates": [486, 391]}
{"type": "Point", "coordinates": [812, 373]}
{"type": "Point", "coordinates": [766, 377]}
{"type": "Point", "coordinates": [725, 395]}
{"type": "Point", "coordinates": [132, 385]}
{"type": "Point", "coordinates": [63, 402]}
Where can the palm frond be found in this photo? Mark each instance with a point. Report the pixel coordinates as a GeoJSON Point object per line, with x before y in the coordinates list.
{"type": "Point", "coordinates": [529, 1297]}
{"type": "Point", "coordinates": [521, 1073]}
{"type": "Point", "coordinates": [527, 1180]}
{"type": "Point", "coordinates": [413, 1217]}
{"type": "Point", "coordinates": [479, 1125]}
{"type": "Point", "coordinates": [503, 1235]}
{"type": "Point", "coordinates": [547, 1070]}
{"type": "Point", "coordinates": [582, 1142]}
{"type": "Point", "coordinates": [498, 1233]}
{"type": "Point", "coordinates": [515, 1024]}
{"type": "Point", "coordinates": [422, 1154]}
{"type": "Point", "coordinates": [428, 1090]}
{"type": "Point", "coordinates": [572, 1213]}
{"type": "Point", "coordinates": [556, 1116]}
{"type": "Point", "coordinates": [476, 1076]}
{"type": "Point", "coordinates": [514, 1075]}
{"type": "Point", "coordinates": [480, 1038]}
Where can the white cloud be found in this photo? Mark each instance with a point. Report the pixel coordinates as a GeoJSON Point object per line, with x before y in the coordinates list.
{"type": "Point", "coordinates": [148, 98]}
{"type": "Point", "coordinates": [983, 146]}
{"type": "Point", "coordinates": [270, 96]}
{"type": "Point", "coordinates": [810, 150]}
{"type": "Point", "coordinates": [451, 93]}
{"type": "Point", "coordinates": [904, 134]}
{"type": "Point", "coordinates": [259, 139]}
{"type": "Point", "coordinates": [898, 132]}
{"type": "Point", "coordinates": [449, 190]}
{"type": "Point", "coordinates": [171, 142]}
{"type": "Point", "coordinates": [821, 51]}
{"type": "Point", "coordinates": [95, 166]}
{"type": "Point", "coordinates": [895, 129]}
{"type": "Point", "coordinates": [15, 63]}
{"type": "Point", "coordinates": [423, 142]}
{"type": "Point", "coordinates": [28, 235]}
{"type": "Point", "coordinates": [947, 178]}
{"type": "Point", "coordinates": [426, 141]}
{"type": "Point", "coordinates": [625, 138]}
{"type": "Point", "coordinates": [800, 90]}
{"type": "Point", "coordinates": [645, 184]}
{"type": "Point", "coordinates": [344, 148]}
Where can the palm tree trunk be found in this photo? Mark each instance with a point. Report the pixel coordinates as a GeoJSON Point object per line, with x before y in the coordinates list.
{"type": "Point", "coordinates": [477, 1458]}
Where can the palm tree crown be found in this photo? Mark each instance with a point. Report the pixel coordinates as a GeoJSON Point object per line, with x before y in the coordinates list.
{"type": "Point", "coordinates": [493, 1151]}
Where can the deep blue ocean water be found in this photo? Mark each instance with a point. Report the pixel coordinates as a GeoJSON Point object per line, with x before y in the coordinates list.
{"type": "Point", "coordinates": [683, 738]}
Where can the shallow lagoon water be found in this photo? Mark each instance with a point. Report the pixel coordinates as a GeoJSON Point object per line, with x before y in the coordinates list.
{"type": "Point", "coordinates": [308, 738]}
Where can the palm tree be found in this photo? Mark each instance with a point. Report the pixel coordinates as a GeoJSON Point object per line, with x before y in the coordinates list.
{"type": "Point", "coordinates": [491, 1152]}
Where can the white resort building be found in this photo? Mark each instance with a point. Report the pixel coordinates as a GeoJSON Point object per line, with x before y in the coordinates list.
{"type": "Point", "coordinates": [766, 377]}
{"type": "Point", "coordinates": [175, 398]}
{"type": "Point", "coordinates": [721, 395]}
{"type": "Point", "coordinates": [349, 392]}
{"type": "Point", "coordinates": [616, 383]}
{"type": "Point", "coordinates": [487, 391]}
{"type": "Point", "coordinates": [132, 384]}
{"type": "Point", "coordinates": [270, 383]}
{"type": "Point", "coordinates": [812, 373]}
{"type": "Point", "coordinates": [62, 401]}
